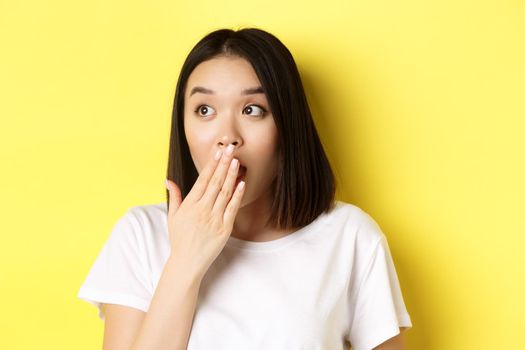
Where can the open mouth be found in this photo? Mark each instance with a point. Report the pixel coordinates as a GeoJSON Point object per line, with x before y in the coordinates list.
{"type": "Point", "coordinates": [241, 175]}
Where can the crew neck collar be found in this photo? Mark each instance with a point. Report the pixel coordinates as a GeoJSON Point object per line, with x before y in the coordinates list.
{"type": "Point", "coordinates": [279, 242]}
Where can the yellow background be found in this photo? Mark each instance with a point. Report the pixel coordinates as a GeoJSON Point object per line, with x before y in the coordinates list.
{"type": "Point", "coordinates": [420, 105]}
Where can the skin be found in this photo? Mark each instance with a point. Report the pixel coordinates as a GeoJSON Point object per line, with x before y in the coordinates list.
{"type": "Point", "coordinates": [395, 343]}
{"type": "Point", "coordinates": [214, 119]}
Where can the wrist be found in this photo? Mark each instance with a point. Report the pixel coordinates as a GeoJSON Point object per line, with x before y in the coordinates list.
{"type": "Point", "coordinates": [186, 272]}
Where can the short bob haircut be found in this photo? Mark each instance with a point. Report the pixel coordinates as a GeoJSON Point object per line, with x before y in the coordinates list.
{"type": "Point", "coordinates": [305, 183]}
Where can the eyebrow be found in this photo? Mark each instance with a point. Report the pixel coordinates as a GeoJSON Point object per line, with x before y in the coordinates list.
{"type": "Point", "coordinates": [250, 91]}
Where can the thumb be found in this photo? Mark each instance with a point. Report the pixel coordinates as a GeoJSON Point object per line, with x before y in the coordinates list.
{"type": "Point", "coordinates": [175, 195]}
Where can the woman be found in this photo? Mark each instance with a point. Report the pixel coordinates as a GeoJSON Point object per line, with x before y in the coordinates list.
{"type": "Point", "coordinates": [251, 251]}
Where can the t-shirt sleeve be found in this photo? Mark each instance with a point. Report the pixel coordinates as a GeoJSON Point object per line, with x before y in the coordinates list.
{"type": "Point", "coordinates": [118, 275]}
{"type": "Point", "coordinates": [378, 307]}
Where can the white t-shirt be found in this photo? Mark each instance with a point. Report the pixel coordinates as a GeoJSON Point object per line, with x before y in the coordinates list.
{"type": "Point", "coordinates": [320, 287]}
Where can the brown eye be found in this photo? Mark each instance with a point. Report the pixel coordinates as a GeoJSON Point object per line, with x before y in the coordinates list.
{"type": "Point", "coordinates": [203, 110]}
{"type": "Point", "coordinates": [255, 110]}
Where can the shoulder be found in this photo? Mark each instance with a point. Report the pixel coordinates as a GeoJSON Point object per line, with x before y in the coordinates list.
{"type": "Point", "coordinates": [148, 214]}
{"type": "Point", "coordinates": [356, 224]}
{"type": "Point", "coordinates": [146, 222]}
{"type": "Point", "coordinates": [355, 219]}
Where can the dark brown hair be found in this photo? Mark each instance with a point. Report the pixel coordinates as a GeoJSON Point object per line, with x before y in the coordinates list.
{"type": "Point", "coordinates": [305, 183]}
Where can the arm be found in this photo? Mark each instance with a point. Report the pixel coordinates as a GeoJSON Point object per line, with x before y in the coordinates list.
{"type": "Point", "coordinates": [167, 323]}
{"type": "Point", "coordinates": [198, 228]}
{"type": "Point", "coordinates": [394, 343]}
{"type": "Point", "coordinates": [121, 325]}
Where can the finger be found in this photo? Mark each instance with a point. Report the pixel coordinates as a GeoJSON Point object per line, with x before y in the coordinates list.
{"type": "Point", "coordinates": [175, 196]}
{"type": "Point", "coordinates": [217, 180]}
{"type": "Point", "coordinates": [233, 206]}
{"type": "Point", "coordinates": [200, 185]}
{"type": "Point", "coordinates": [227, 188]}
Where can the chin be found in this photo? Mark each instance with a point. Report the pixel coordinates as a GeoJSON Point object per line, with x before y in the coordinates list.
{"type": "Point", "coordinates": [250, 198]}
{"type": "Point", "coordinates": [245, 201]}
{"type": "Point", "coordinates": [247, 198]}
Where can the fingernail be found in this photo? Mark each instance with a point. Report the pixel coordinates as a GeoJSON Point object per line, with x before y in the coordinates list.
{"type": "Point", "coordinates": [217, 155]}
{"type": "Point", "coordinates": [229, 149]}
{"type": "Point", "coordinates": [167, 184]}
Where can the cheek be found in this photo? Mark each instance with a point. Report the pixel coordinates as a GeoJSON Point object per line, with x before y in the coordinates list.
{"type": "Point", "coordinates": [200, 143]}
{"type": "Point", "coordinates": [267, 152]}
{"type": "Point", "coordinates": [264, 135]}
{"type": "Point", "coordinates": [268, 144]}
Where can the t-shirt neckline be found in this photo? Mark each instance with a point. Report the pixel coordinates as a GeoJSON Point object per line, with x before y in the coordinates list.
{"type": "Point", "coordinates": [275, 243]}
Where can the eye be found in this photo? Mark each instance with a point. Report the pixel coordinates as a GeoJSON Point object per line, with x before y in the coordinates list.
{"type": "Point", "coordinates": [257, 110]}
{"type": "Point", "coordinates": [204, 110]}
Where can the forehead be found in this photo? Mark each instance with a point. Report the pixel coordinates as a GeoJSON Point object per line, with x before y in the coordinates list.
{"type": "Point", "coordinates": [222, 74]}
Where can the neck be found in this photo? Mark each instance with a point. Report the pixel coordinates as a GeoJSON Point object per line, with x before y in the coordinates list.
{"type": "Point", "coordinates": [250, 222]}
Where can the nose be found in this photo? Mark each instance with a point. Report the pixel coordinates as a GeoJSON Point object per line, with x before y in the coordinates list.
{"type": "Point", "coordinates": [224, 144]}
{"type": "Point", "coordinates": [228, 136]}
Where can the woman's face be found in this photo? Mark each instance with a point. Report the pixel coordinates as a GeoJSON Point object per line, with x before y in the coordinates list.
{"type": "Point", "coordinates": [224, 104]}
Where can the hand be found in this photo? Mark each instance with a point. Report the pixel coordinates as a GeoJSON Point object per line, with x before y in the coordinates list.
{"type": "Point", "coordinates": [200, 226]}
